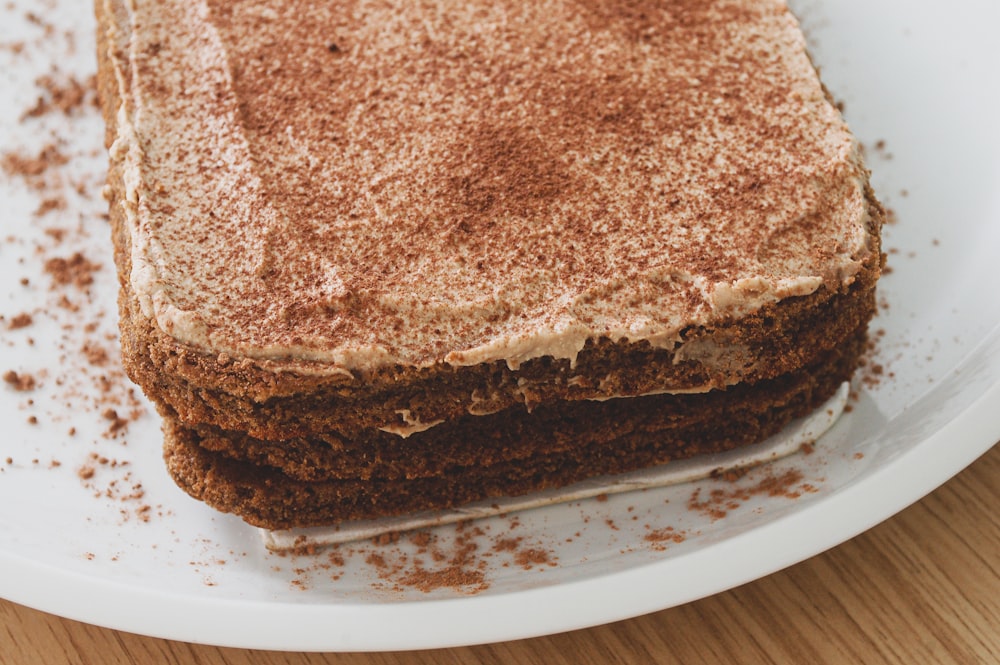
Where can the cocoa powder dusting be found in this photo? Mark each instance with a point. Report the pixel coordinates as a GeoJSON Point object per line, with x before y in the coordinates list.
{"type": "Point", "coordinates": [564, 172]}
{"type": "Point", "coordinates": [873, 369]}
{"type": "Point", "coordinates": [65, 96]}
{"type": "Point", "coordinates": [719, 501]}
{"type": "Point", "coordinates": [456, 560]}
{"type": "Point", "coordinates": [73, 392]}
{"type": "Point", "coordinates": [40, 171]}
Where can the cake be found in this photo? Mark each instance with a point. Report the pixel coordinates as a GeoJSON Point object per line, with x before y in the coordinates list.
{"type": "Point", "coordinates": [378, 258]}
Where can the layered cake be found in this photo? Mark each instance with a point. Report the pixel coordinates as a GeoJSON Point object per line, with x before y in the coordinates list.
{"type": "Point", "coordinates": [378, 258]}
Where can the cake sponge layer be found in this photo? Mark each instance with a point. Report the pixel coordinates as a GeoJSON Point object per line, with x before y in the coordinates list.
{"type": "Point", "coordinates": [388, 257]}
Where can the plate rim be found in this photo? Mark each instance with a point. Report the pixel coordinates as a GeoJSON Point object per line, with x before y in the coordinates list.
{"type": "Point", "coordinates": [929, 462]}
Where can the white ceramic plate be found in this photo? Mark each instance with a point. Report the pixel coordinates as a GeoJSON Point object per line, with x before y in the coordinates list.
{"type": "Point", "coordinates": [122, 547]}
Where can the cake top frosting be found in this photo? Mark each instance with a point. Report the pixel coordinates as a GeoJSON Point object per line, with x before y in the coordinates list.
{"type": "Point", "coordinates": [368, 183]}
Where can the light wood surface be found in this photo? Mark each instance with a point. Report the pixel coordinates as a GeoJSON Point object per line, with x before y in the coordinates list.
{"type": "Point", "coordinates": [923, 587]}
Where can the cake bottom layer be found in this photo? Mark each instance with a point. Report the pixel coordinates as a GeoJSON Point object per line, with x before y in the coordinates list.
{"type": "Point", "coordinates": [790, 440]}
{"type": "Point", "coordinates": [321, 481]}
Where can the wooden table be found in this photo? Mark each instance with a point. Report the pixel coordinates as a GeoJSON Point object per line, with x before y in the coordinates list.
{"type": "Point", "coordinates": [923, 587]}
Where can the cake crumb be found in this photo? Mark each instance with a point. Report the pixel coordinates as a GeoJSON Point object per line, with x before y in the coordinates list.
{"type": "Point", "coordinates": [50, 204]}
{"type": "Point", "coordinates": [531, 557]}
{"type": "Point", "coordinates": [507, 544]}
{"type": "Point", "coordinates": [22, 320]}
{"type": "Point", "coordinates": [452, 577]}
{"type": "Point", "coordinates": [661, 538]}
{"type": "Point", "coordinates": [19, 381]}
{"type": "Point", "coordinates": [56, 234]}
{"type": "Point", "coordinates": [117, 422]}
{"type": "Point", "coordinates": [76, 270]}
{"type": "Point", "coordinates": [387, 538]}
{"type": "Point", "coordinates": [730, 475]}
{"type": "Point", "coordinates": [95, 355]}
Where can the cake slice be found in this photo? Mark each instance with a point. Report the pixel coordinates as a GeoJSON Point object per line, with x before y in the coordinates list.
{"type": "Point", "coordinates": [378, 258]}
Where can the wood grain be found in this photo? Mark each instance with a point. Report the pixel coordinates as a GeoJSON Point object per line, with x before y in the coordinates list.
{"type": "Point", "coordinates": [923, 587]}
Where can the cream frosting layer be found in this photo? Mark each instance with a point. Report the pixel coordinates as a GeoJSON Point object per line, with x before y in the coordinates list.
{"type": "Point", "coordinates": [361, 184]}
